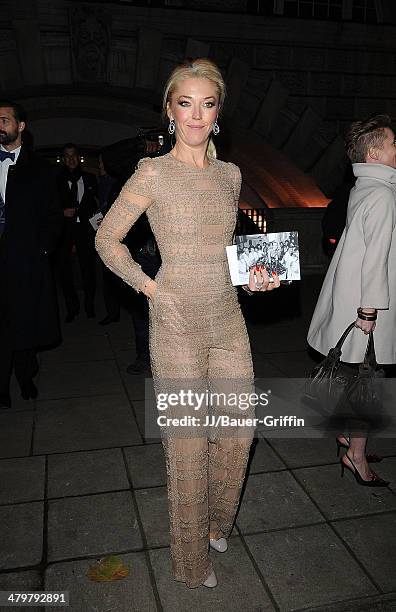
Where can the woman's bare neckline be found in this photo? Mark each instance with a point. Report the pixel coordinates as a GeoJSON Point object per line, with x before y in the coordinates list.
{"type": "Point", "coordinates": [179, 161]}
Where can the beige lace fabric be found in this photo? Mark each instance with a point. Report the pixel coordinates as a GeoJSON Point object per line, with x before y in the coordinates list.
{"type": "Point", "coordinates": [197, 333]}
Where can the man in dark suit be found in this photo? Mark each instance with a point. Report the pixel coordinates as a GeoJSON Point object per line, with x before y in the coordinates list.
{"type": "Point", "coordinates": [108, 189]}
{"type": "Point", "coordinates": [78, 196]}
{"type": "Point", "coordinates": [30, 224]}
{"type": "Point", "coordinates": [119, 160]}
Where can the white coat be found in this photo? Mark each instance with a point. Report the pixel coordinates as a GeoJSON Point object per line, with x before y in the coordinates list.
{"type": "Point", "coordinates": [362, 271]}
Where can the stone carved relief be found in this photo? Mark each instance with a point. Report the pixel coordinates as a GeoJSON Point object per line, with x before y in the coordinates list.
{"type": "Point", "coordinates": [122, 63]}
{"type": "Point", "coordinates": [96, 107]}
{"type": "Point", "coordinates": [90, 29]}
{"type": "Point", "coordinates": [7, 40]}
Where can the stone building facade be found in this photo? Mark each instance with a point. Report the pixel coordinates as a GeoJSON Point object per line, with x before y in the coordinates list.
{"type": "Point", "coordinates": [295, 82]}
{"type": "Point", "coordinates": [92, 72]}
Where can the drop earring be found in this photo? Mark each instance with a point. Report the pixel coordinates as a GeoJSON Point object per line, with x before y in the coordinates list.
{"type": "Point", "coordinates": [216, 128]}
{"type": "Point", "coordinates": [171, 126]}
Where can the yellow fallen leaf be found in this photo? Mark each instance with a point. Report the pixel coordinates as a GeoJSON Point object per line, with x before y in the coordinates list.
{"type": "Point", "coordinates": [108, 569]}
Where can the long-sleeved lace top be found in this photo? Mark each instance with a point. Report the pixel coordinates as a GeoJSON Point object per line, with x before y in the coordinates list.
{"type": "Point", "coordinates": [192, 212]}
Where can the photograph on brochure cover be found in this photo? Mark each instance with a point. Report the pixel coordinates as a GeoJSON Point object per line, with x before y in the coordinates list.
{"type": "Point", "coordinates": [277, 251]}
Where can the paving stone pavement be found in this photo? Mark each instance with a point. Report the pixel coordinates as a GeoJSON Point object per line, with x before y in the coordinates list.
{"type": "Point", "coordinates": [79, 480]}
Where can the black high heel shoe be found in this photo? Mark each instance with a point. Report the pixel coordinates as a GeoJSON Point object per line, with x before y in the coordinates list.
{"type": "Point", "coordinates": [375, 480]}
{"type": "Point", "coordinates": [370, 457]}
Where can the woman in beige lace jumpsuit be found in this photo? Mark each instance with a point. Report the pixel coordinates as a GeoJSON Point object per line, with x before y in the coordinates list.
{"type": "Point", "coordinates": [197, 330]}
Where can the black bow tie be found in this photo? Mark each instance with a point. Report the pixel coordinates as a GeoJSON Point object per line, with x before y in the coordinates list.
{"type": "Point", "coordinates": [6, 155]}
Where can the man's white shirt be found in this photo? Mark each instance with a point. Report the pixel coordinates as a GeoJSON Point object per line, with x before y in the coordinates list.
{"type": "Point", "coordinates": [4, 165]}
{"type": "Point", "coordinates": [80, 192]}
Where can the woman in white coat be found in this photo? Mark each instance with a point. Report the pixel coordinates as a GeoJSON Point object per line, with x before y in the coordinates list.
{"type": "Point", "coordinates": [361, 280]}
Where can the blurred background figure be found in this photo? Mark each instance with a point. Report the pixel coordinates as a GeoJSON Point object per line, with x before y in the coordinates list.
{"type": "Point", "coordinates": [107, 186]}
{"type": "Point", "coordinates": [119, 161]}
{"type": "Point", "coordinates": [334, 219]}
{"type": "Point", "coordinates": [30, 224]}
{"type": "Point", "coordinates": [108, 189]}
{"type": "Point", "coordinates": [78, 197]}
{"type": "Point", "coordinates": [358, 281]}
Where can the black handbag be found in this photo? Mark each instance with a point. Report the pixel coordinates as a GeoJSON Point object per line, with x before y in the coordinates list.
{"type": "Point", "coordinates": [342, 391]}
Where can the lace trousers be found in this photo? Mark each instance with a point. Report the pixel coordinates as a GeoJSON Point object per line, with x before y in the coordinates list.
{"type": "Point", "coordinates": [204, 485]}
{"type": "Point", "coordinates": [207, 342]}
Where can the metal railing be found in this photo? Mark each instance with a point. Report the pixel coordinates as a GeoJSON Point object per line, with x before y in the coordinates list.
{"type": "Point", "coordinates": [251, 221]}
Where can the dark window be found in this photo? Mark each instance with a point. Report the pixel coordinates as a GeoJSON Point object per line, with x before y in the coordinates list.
{"type": "Point", "coordinates": [260, 7]}
{"type": "Point", "coordinates": [321, 11]}
{"type": "Point", "coordinates": [364, 11]}
{"type": "Point", "coordinates": [305, 9]}
{"type": "Point", "coordinates": [290, 8]}
{"type": "Point", "coordinates": [316, 9]}
{"type": "Point", "coordinates": [335, 12]}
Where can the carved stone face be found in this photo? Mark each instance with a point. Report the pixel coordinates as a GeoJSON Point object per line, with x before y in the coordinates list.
{"type": "Point", "coordinates": [91, 41]}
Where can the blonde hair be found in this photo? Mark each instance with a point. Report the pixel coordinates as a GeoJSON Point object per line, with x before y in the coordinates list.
{"type": "Point", "coordinates": [201, 68]}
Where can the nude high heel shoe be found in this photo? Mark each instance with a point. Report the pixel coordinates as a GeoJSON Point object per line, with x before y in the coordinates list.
{"type": "Point", "coordinates": [220, 545]}
{"type": "Point", "coordinates": [211, 580]}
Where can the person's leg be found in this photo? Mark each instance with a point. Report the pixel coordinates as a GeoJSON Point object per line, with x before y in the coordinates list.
{"type": "Point", "coordinates": [86, 255]}
{"type": "Point", "coordinates": [358, 425]}
{"type": "Point", "coordinates": [357, 454]}
{"type": "Point", "coordinates": [355, 460]}
{"type": "Point", "coordinates": [6, 353]}
{"type": "Point", "coordinates": [141, 326]}
{"type": "Point", "coordinates": [140, 319]}
{"type": "Point", "coordinates": [111, 295]}
{"type": "Point", "coordinates": [187, 482]}
{"type": "Point", "coordinates": [180, 361]}
{"type": "Point", "coordinates": [26, 367]}
{"type": "Point", "coordinates": [230, 375]}
{"type": "Point", "coordinates": [6, 362]}
{"type": "Point", "coordinates": [64, 268]}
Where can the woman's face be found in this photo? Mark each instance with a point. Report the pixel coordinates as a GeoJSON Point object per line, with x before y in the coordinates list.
{"type": "Point", "coordinates": [194, 106]}
{"type": "Point", "coordinates": [387, 153]}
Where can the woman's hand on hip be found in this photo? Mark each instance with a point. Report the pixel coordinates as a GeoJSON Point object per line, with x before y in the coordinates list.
{"type": "Point", "coordinates": [150, 288]}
